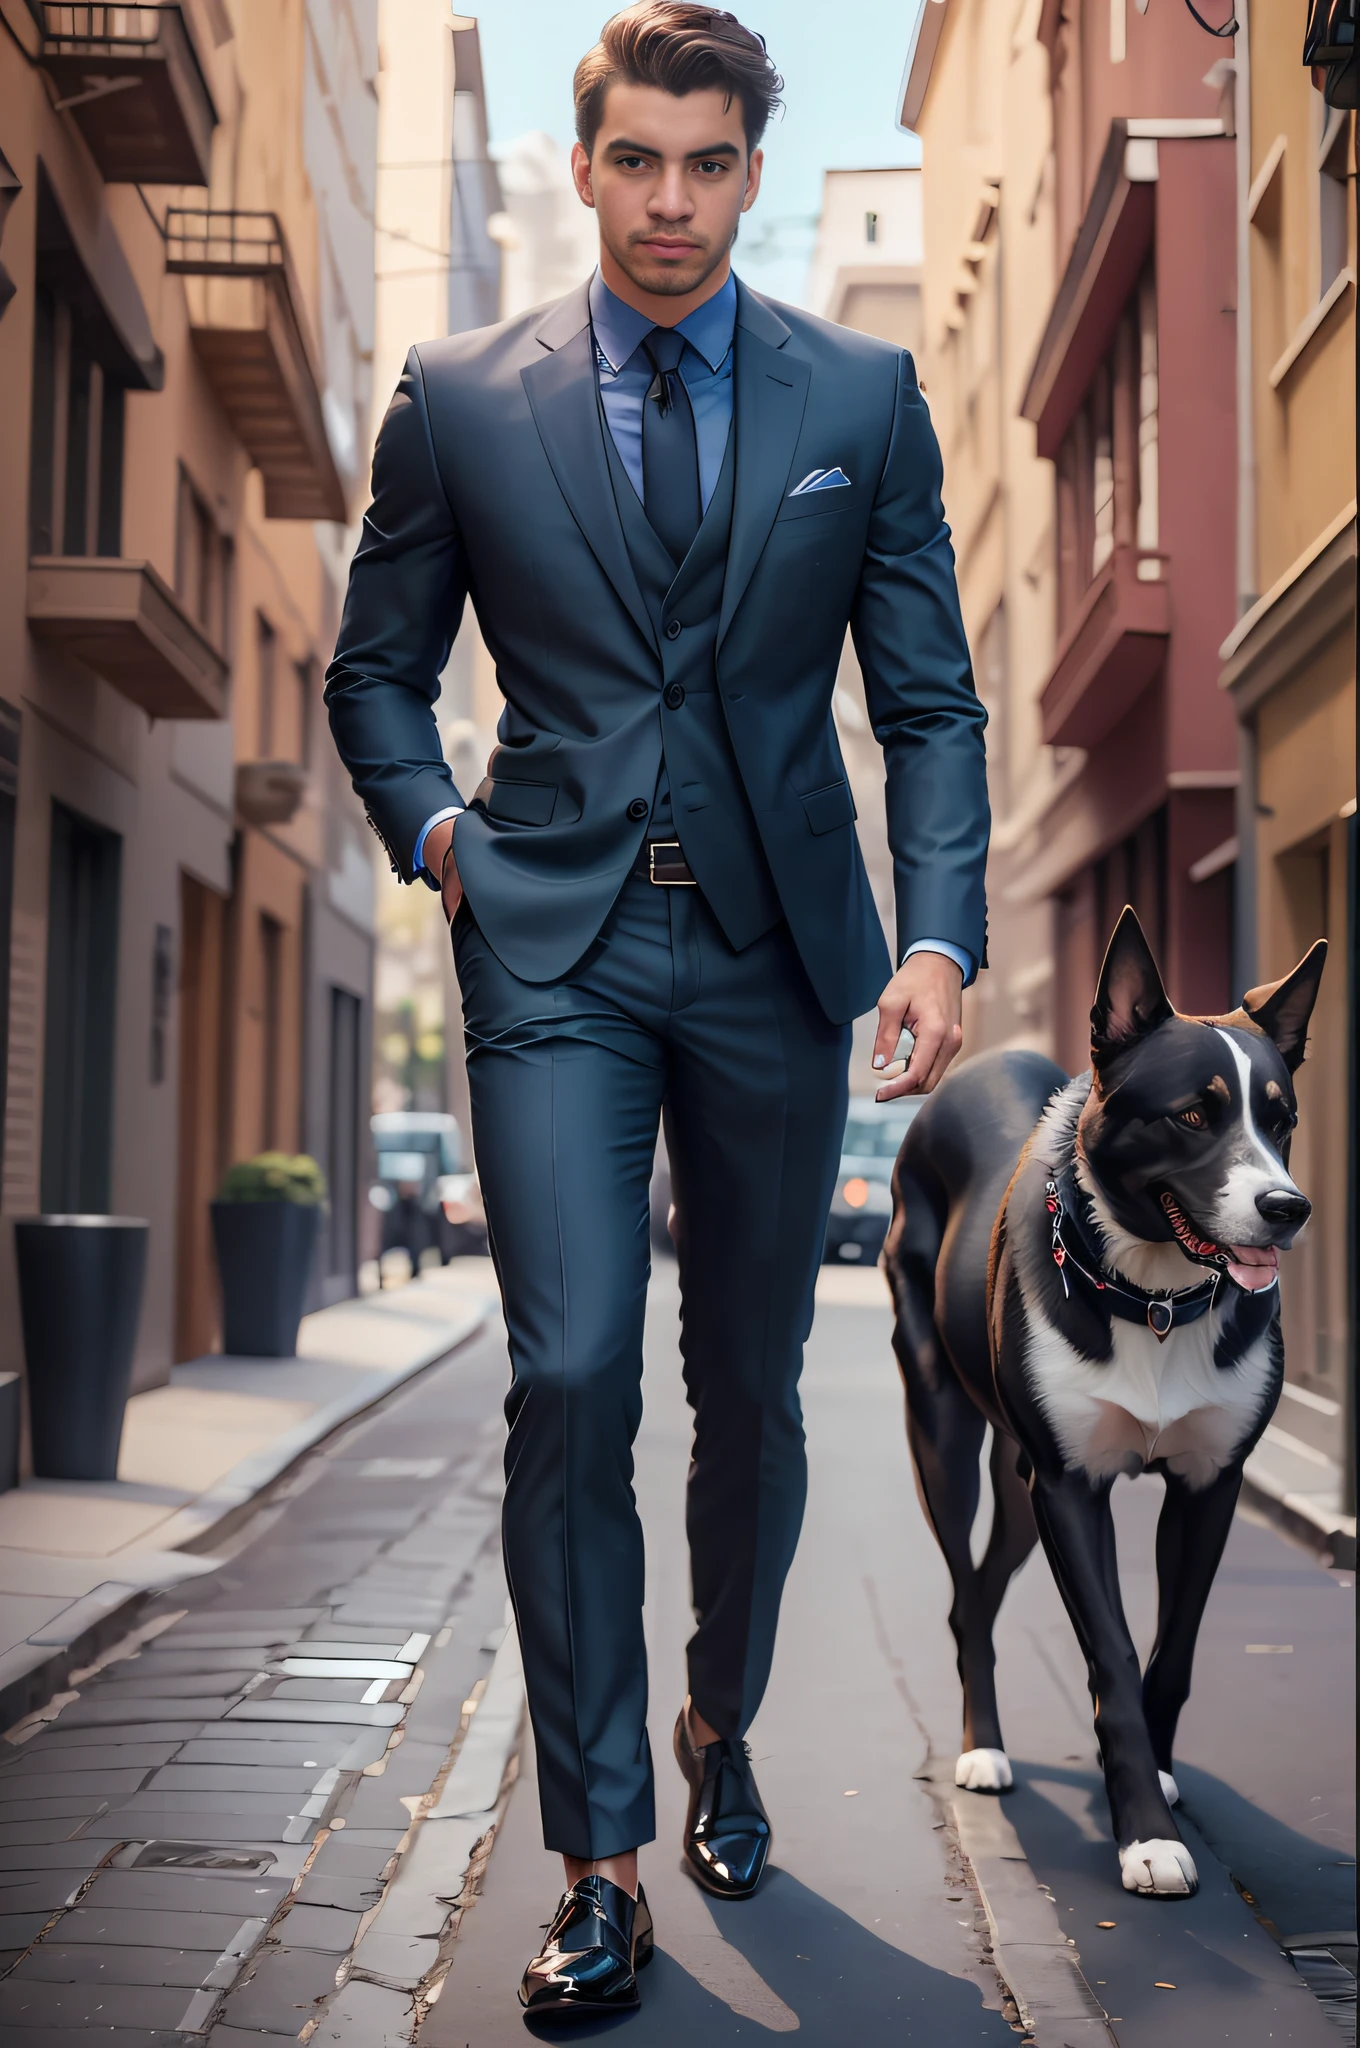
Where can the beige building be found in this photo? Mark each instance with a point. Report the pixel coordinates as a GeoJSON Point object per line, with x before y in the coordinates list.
{"type": "Point", "coordinates": [976, 91]}
{"type": "Point", "coordinates": [1289, 671]}
{"type": "Point", "coordinates": [184, 361]}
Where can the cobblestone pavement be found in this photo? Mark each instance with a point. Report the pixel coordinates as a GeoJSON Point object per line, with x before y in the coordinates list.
{"type": "Point", "coordinates": [282, 1808]}
{"type": "Point", "coordinates": [194, 1839]}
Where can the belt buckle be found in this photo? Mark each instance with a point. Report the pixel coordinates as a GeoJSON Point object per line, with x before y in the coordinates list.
{"type": "Point", "coordinates": [662, 881]}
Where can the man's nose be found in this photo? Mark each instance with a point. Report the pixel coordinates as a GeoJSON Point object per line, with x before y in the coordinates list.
{"type": "Point", "coordinates": [671, 198]}
{"type": "Point", "coordinates": [1284, 1206]}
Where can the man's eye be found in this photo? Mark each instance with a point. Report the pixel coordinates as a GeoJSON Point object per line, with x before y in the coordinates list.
{"type": "Point", "coordinates": [1193, 1119]}
{"type": "Point", "coordinates": [711, 164]}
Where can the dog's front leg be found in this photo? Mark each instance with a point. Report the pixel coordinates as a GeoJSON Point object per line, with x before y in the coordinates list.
{"type": "Point", "coordinates": [1077, 1530]}
{"type": "Point", "coordinates": [1191, 1532]}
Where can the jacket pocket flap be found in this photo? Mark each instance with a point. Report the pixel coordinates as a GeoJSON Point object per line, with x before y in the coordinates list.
{"type": "Point", "coordinates": [827, 808]}
{"type": "Point", "coordinates": [520, 803]}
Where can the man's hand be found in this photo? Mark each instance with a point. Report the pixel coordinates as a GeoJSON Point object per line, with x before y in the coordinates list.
{"type": "Point", "coordinates": [438, 858]}
{"type": "Point", "coordinates": [925, 996]}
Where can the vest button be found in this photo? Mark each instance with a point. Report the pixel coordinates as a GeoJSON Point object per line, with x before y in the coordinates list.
{"type": "Point", "coordinates": [638, 809]}
{"type": "Point", "coordinates": [674, 630]}
{"type": "Point", "coordinates": [674, 696]}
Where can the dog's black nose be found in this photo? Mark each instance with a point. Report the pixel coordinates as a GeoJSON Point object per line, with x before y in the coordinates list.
{"type": "Point", "coordinates": [1284, 1205]}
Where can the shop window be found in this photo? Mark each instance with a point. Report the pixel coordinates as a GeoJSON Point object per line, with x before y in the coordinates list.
{"type": "Point", "coordinates": [82, 969]}
{"type": "Point", "coordinates": [76, 470]}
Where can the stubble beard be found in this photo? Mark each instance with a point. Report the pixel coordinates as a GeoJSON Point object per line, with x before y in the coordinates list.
{"type": "Point", "coordinates": [668, 280]}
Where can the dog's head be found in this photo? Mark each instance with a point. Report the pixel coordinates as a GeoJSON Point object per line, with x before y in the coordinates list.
{"type": "Point", "coordinates": [1186, 1131]}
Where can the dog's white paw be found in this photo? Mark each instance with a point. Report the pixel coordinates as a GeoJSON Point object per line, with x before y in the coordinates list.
{"type": "Point", "coordinates": [1171, 1791]}
{"type": "Point", "coordinates": [1159, 1869]}
{"type": "Point", "coordinates": [984, 1770]}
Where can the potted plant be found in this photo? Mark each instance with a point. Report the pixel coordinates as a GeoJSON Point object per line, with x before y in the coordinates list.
{"type": "Point", "coordinates": [264, 1228]}
{"type": "Point", "coordinates": [80, 1301]}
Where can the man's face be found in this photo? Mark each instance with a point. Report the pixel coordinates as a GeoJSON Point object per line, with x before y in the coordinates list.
{"type": "Point", "coordinates": [669, 179]}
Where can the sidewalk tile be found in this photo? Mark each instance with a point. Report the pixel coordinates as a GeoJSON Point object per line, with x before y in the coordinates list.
{"type": "Point", "coordinates": [53, 1963]}
{"type": "Point", "coordinates": [328, 1928]}
{"type": "Point", "coordinates": [282, 1991]}
{"type": "Point", "coordinates": [29, 2002]}
{"type": "Point", "coordinates": [150, 1927]}
{"type": "Point", "coordinates": [144, 1891]}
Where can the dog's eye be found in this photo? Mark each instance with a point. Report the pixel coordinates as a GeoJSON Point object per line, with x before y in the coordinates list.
{"type": "Point", "coordinates": [1193, 1119]}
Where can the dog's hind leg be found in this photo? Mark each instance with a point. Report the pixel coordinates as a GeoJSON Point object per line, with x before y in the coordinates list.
{"type": "Point", "coordinates": [945, 1432]}
{"type": "Point", "coordinates": [1077, 1530]}
{"type": "Point", "coordinates": [1191, 1533]}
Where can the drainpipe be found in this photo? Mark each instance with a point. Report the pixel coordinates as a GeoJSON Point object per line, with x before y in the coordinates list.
{"type": "Point", "coordinates": [1244, 874]}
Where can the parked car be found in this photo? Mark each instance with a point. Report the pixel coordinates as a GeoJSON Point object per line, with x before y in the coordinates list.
{"type": "Point", "coordinates": [424, 1192]}
{"type": "Point", "coordinates": [862, 1203]}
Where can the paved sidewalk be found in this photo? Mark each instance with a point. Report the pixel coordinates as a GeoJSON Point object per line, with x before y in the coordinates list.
{"type": "Point", "coordinates": [76, 1556]}
{"type": "Point", "coordinates": [872, 1929]}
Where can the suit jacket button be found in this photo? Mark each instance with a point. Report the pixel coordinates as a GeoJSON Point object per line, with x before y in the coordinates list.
{"type": "Point", "coordinates": [674, 630]}
{"type": "Point", "coordinates": [674, 696]}
{"type": "Point", "coordinates": [638, 809]}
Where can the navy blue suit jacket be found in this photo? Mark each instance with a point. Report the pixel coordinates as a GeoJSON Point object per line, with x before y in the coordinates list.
{"type": "Point", "coordinates": [490, 481]}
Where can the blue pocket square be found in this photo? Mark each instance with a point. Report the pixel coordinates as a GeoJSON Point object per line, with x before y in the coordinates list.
{"type": "Point", "coordinates": [821, 480]}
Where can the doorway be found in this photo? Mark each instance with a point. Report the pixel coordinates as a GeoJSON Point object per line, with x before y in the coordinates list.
{"type": "Point", "coordinates": [82, 981]}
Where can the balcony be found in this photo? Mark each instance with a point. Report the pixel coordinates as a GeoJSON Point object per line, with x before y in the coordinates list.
{"type": "Point", "coordinates": [1110, 652]}
{"type": "Point", "coordinates": [124, 622]}
{"type": "Point", "coordinates": [249, 328]}
{"type": "Point", "coordinates": [132, 83]}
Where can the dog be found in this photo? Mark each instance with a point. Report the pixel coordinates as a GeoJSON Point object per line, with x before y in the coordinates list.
{"type": "Point", "coordinates": [1091, 1266]}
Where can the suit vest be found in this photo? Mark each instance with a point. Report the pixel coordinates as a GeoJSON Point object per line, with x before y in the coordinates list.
{"type": "Point", "coordinates": [700, 798]}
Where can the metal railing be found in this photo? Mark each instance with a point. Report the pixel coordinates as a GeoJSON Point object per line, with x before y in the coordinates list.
{"type": "Point", "coordinates": [107, 26]}
{"type": "Point", "coordinates": [202, 241]}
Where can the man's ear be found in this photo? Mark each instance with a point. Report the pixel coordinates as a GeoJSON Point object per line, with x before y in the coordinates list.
{"type": "Point", "coordinates": [1130, 1000]}
{"type": "Point", "coordinates": [1282, 1008]}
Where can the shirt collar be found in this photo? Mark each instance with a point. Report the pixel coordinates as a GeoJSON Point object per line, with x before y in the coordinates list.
{"type": "Point", "coordinates": [619, 327]}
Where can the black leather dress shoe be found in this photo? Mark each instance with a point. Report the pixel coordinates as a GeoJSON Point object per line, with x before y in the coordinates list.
{"type": "Point", "coordinates": [727, 1830]}
{"type": "Point", "coordinates": [599, 1939]}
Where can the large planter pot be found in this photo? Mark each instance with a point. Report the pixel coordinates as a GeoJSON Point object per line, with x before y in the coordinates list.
{"type": "Point", "coordinates": [264, 1259]}
{"type": "Point", "coordinates": [80, 1298]}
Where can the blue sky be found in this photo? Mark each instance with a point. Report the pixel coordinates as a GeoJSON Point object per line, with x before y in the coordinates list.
{"type": "Point", "coordinates": [842, 65]}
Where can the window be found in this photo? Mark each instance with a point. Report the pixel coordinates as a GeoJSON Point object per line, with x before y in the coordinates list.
{"type": "Point", "coordinates": [82, 969]}
{"type": "Point", "coordinates": [271, 1032]}
{"type": "Point", "coordinates": [871, 227]}
{"type": "Point", "coordinates": [991, 668]}
{"type": "Point", "coordinates": [76, 472]}
{"type": "Point", "coordinates": [203, 564]}
{"type": "Point", "coordinates": [1334, 124]}
{"type": "Point", "coordinates": [1108, 463]}
{"type": "Point", "coordinates": [342, 1159]}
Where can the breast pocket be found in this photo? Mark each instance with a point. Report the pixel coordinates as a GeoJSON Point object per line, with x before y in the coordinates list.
{"type": "Point", "coordinates": [819, 504]}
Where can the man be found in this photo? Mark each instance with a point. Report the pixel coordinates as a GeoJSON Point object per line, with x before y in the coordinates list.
{"type": "Point", "coordinates": [667, 499]}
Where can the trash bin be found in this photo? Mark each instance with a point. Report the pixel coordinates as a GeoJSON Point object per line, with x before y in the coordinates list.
{"type": "Point", "coordinates": [80, 1300]}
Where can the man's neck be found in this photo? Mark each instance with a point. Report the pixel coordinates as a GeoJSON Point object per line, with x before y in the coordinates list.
{"type": "Point", "coordinates": [659, 307]}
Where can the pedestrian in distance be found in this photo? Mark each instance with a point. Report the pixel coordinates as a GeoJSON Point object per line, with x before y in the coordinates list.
{"type": "Point", "coordinates": [667, 499]}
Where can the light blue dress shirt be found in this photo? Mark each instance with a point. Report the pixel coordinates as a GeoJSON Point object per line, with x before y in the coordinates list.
{"type": "Point", "coordinates": [625, 378]}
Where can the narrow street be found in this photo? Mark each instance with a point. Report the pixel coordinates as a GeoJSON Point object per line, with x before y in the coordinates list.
{"type": "Point", "coordinates": [245, 1808]}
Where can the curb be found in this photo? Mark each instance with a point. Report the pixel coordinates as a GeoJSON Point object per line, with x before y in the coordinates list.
{"type": "Point", "coordinates": [1332, 1537]}
{"type": "Point", "coordinates": [81, 1633]}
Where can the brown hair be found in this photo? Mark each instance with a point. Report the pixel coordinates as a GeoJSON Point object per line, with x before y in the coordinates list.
{"type": "Point", "coordinates": [681, 48]}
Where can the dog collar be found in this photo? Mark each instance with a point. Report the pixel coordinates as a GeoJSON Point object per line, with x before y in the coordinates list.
{"type": "Point", "coordinates": [1077, 1262]}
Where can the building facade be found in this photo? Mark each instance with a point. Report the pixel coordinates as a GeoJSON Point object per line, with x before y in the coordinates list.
{"type": "Point", "coordinates": [1288, 672]}
{"type": "Point", "coordinates": [976, 91]}
{"type": "Point", "coordinates": [184, 362]}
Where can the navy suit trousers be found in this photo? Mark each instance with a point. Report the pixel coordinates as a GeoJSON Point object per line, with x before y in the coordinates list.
{"type": "Point", "coordinates": [568, 1081]}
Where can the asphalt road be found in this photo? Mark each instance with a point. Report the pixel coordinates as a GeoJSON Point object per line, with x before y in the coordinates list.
{"type": "Point", "coordinates": [868, 1929]}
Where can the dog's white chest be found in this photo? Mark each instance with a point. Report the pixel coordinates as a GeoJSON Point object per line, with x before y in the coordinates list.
{"type": "Point", "coordinates": [1149, 1400]}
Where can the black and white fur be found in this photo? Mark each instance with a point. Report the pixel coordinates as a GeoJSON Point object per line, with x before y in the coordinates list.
{"type": "Point", "coordinates": [1174, 1151]}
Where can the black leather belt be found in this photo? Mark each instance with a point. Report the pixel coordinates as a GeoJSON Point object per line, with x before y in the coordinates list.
{"type": "Point", "coordinates": [662, 862]}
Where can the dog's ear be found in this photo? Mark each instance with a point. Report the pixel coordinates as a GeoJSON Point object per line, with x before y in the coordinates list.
{"type": "Point", "coordinates": [1282, 1008]}
{"type": "Point", "coordinates": [1130, 1000]}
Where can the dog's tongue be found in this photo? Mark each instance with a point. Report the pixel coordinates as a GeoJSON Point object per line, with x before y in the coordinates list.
{"type": "Point", "coordinates": [1252, 1266]}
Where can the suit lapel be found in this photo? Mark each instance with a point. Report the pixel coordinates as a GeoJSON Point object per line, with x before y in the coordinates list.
{"type": "Point", "coordinates": [771, 396]}
{"type": "Point", "coordinates": [565, 404]}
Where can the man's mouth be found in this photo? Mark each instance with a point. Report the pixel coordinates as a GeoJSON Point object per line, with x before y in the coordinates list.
{"type": "Point", "coordinates": [1252, 1266]}
{"type": "Point", "coordinates": [659, 246]}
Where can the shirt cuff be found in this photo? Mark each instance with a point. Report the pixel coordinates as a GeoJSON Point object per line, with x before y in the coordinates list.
{"type": "Point", "coordinates": [417, 858]}
{"type": "Point", "coordinates": [965, 962]}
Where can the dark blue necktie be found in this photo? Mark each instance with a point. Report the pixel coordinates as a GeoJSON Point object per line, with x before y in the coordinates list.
{"type": "Point", "coordinates": [670, 449]}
